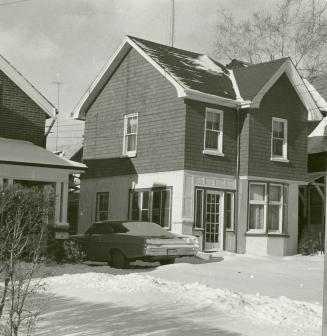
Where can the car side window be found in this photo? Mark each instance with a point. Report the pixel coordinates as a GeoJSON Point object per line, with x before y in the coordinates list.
{"type": "Point", "coordinates": [102, 229]}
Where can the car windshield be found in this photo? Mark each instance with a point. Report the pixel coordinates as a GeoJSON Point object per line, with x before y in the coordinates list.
{"type": "Point", "coordinates": [145, 229]}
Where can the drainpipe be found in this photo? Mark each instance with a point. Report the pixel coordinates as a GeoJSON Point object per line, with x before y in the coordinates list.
{"type": "Point", "coordinates": [324, 312]}
{"type": "Point", "coordinates": [237, 174]}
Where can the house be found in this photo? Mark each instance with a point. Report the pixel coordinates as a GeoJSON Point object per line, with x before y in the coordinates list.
{"type": "Point", "coordinates": [23, 157]}
{"type": "Point", "coordinates": [175, 137]}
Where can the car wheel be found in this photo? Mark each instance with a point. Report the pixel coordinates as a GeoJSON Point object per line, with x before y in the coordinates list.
{"type": "Point", "coordinates": [118, 259]}
{"type": "Point", "coordinates": [167, 261]}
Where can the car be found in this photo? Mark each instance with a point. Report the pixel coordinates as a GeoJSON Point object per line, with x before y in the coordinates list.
{"type": "Point", "coordinates": [121, 242]}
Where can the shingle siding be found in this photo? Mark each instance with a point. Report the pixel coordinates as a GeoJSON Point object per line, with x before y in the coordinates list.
{"type": "Point", "coordinates": [136, 86]}
{"type": "Point", "coordinates": [194, 140]}
{"type": "Point", "coordinates": [281, 102]}
{"type": "Point", "coordinates": [21, 118]}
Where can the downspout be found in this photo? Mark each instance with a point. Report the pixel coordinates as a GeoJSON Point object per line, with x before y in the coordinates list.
{"type": "Point", "coordinates": [237, 174]}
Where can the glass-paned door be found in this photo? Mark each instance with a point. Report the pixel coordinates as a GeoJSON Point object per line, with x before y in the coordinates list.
{"type": "Point", "coordinates": [213, 219]}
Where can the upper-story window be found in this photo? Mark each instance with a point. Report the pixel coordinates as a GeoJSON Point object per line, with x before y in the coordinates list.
{"type": "Point", "coordinates": [213, 132]}
{"type": "Point", "coordinates": [279, 139]}
{"type": "Point", "coordinates": [130, 134]}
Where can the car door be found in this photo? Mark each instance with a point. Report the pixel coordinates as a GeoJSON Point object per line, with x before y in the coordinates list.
{"type": "Point", "coordinates": [104, 241]}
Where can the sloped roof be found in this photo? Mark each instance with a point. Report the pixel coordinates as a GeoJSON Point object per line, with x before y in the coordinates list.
{"type": "Point", "coordinates": [26, 153]}
{"type": "Point", "coordinates": [9, 70]}
{"type": "Point", "coordinates": [195, 71]}
{"type": "Point", "coordinates": [199, 77]}
{"type": "Point", "coordinates": [250, 79]}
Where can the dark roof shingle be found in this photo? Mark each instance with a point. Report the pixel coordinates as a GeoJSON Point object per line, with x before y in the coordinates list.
{"type": "Point", "coordinates": [194, 71]}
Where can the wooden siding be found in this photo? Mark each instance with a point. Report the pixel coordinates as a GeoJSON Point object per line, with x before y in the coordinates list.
{"type": "Point", "coordinates": [135, 87]}
{"type": "Point", "coordinates": [21, 117]}
{"type": "Point", "coordinates": [281, 102]}
{"type": "Point", "coordinates": [194, 140]}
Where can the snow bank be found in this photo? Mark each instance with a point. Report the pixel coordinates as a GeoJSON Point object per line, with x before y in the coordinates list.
{"type": "Point", "coordinates": [260, 309]}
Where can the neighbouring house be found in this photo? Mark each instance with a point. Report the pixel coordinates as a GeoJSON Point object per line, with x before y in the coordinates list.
{"type": "Point", "coordinates": [73, 152]}
{"type": "Point", "coordinates": [312, 196]}
{"type": "Point", "coordinates": [220, 152]}
{"type": "Point", "coordinates": [23, 156]}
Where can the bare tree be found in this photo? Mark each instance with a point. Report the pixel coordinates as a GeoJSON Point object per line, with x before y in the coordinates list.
{"type": "Point", "coordinates": [295, 28]}
{"type": "Point", "coordinates": [23, 225]}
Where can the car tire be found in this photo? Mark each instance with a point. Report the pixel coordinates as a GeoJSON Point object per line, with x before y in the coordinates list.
{"type": "Point", "coordinates": [167, 261]}
{"type": "Point", "coordinates": [118, 259]}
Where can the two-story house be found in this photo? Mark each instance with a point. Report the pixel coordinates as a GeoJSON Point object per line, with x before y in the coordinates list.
{"type": "Point", "coordinates": [174, 137]}
{"type": "Point", "coordinates": [23, 157]}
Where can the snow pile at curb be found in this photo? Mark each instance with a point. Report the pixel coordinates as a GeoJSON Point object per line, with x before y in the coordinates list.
{"type": "Point", "coordinates": [282, 311]}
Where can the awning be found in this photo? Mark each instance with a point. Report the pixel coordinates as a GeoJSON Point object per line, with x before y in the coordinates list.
{"type": "Point", "coordinates": [26, 153]}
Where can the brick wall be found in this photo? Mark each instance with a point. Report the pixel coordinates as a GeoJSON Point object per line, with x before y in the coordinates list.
{"type": "Point", "coordinates": [21, 118]}
{"type": "Point", "coordinates": [282, 102]}
{"type": "Point", "coordinates": [194, 140]}
{"type": "Point", "coordinates": [136, 86]}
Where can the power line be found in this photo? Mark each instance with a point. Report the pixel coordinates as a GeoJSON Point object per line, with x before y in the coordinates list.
{"type": "Point", "coordinates": [13, 2]}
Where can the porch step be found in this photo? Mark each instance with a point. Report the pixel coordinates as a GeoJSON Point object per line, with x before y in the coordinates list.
{"type": "Point", "coordinates": [208, 255]}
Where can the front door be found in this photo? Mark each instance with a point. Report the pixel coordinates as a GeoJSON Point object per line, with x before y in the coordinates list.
{"type": "Point", "coordinates": [213, 220]}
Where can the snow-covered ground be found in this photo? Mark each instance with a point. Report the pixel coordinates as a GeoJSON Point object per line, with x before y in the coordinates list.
{"type": "Point", "coordinates": [230, 295]}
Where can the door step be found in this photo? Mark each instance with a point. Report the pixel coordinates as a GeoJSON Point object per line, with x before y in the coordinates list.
{"type": "Point", "coordinates": [208, 255]}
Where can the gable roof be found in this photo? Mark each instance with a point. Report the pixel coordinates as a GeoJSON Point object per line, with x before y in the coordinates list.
{"type": "Point", "coordinates": [194, 71]}
{"type": "Point", "coordinates": [11, 72]}
{"type": "Point", "coordinates": [251, 78]}
{"type": "Point", "coordinates": [199, 77]}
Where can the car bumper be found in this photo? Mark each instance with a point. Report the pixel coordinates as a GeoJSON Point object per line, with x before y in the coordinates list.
{"type": "Point", "coordinates": [170, 251]}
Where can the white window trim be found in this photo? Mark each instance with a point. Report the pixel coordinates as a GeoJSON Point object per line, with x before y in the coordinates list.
{"type": "Point", "coordinates": [232, 228]}
{"type": "Point", "coordinates": [279, 158]}
{"type": "Point", "coordinates": [210, 151]}
{"type": "Point", "coordinates": [281, 211]}
{"type": "Point", "coordinates": [264, 203]}
{"type": "Point", "coordinates": [125, 152]}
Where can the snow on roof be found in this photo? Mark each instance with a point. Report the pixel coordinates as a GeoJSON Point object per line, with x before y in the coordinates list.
{"type": "Point", "coordinates": [206, 63]}
{"type": "Point", "coordinates": [26, 153]}
{"type": "Point", "coordinates": [319, 100]}
{"type": "Point", "coordinates": [320, 129]}
{"type": "Point", "coordinates": [194, 71]}
{"type": "Point", "coordinates": [199, 77]}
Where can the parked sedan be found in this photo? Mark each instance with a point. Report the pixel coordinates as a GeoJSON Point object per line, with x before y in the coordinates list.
{"type": "Point", "coordinates": [120, 242]}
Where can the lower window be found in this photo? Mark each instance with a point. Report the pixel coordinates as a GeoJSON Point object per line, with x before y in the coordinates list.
{"type": "Point", "coordinates": [102, 206]}
{"type": "Point", "coordinates": [267, 207]}
{"type": "Point", "coordinates": [151, 205]}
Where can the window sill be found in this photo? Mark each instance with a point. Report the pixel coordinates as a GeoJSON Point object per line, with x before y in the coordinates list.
{"type": "Point", "coordinates": [198, 229]}
{"type": "Point", "coordinates": [212, 152]}
{"type": "Point", "coordinates": [128, 155]}
{"type": "Point", "coordinates": [230, 230]}
{"type": "Point", "coordinates": [279, 159]}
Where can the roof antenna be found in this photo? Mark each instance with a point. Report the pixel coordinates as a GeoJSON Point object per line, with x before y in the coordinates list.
{"type": "Point", "coordinates": [172, 23]}
{"type": "Point", "coordinates": [58, 101]}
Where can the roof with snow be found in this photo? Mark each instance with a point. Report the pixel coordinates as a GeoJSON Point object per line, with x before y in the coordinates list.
{"type": "Point", "coordinates": [26, 153]}
{"type": "Point", "coordinates": [11, 72]}
{"type": "Point", "coordinates": [199, 77]}
{"type": "Point", "coordinates": [195, 71]}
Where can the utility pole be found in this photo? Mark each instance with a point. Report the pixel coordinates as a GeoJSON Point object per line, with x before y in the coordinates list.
{"type": "Point", "coordinates": [58, 83]}
{"type": "Point", "coordinates": [172, 23]}
{"type": "Point", "coordinates": [324, 312]}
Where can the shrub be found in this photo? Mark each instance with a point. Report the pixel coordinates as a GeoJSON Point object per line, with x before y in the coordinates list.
{"type": "Point", "coordinates": [311, 241]}
{"type": "Point", "coordinates": [72, 252]}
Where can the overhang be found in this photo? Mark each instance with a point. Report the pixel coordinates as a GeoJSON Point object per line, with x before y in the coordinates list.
{"type": "Point", "coordinates": [18, 152]}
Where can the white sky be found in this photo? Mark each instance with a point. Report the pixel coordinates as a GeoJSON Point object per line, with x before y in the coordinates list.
{"type": "Point", "coordinates": [70, 40]}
